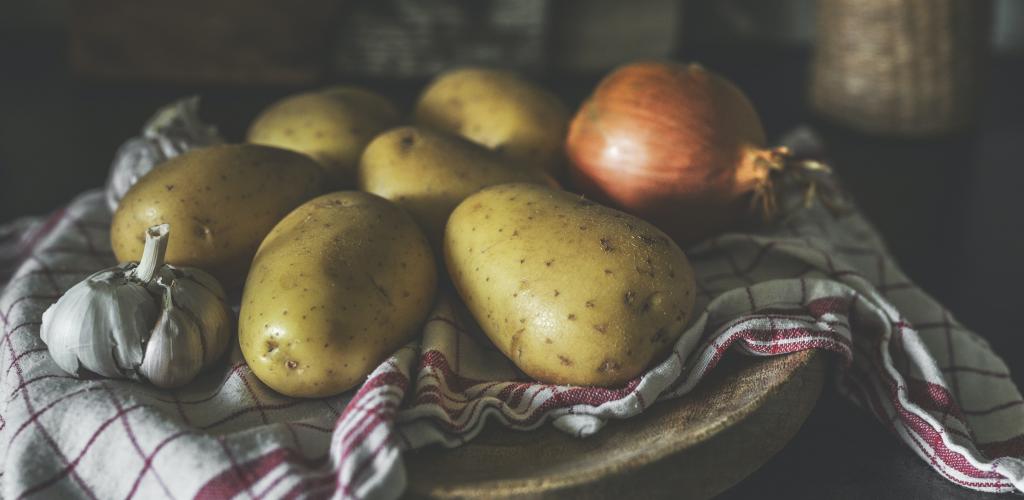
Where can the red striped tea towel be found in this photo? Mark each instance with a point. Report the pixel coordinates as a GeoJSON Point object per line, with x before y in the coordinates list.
{"type": "Point", "coordinates": [814, 281]}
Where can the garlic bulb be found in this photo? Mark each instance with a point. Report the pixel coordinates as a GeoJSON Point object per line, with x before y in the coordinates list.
{"type": "Point", "coordinates": [173, 130]}
{"type": "Point", "coordinates": [144, 321]}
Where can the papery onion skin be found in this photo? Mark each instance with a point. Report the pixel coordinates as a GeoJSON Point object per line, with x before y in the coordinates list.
{"type": "Point", "coordinates": [674, 144]}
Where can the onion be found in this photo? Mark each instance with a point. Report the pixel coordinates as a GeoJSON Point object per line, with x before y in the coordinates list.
{"type": "Point", "coordinates": [674, 144]}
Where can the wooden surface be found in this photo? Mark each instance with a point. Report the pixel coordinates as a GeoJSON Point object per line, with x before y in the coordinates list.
{"type": "Point", "coordinates": [692, 447]}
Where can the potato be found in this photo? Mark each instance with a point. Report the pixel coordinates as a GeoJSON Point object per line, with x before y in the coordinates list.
{"type": "Point", "coordinates": [220, 202]}
{"type": "Point", "coordinates": [338, 285]}
{"type": "Point", "coordinates": [429, 172]}
{"type": "Point", "coordinates": [501, 111]}
{"type": "Point", "coordinates": [571, 291]}
{"type": "Point", "coordinates": [332, 125]}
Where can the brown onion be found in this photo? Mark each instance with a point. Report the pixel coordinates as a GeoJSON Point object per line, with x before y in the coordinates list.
{"type": "Point", "coordinates": [674, 144]}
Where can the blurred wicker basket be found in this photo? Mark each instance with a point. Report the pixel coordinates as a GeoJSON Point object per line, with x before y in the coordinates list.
{"type": "Point", "coordinates": [903, 67]}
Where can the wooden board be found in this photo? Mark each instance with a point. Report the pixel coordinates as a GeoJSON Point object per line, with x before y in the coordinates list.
{"type": "Point", "coordinates": [691, 447]}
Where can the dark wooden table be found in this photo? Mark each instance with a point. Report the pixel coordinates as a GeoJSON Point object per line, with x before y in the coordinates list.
{"type": "Point", "coordinates": [949, 207]}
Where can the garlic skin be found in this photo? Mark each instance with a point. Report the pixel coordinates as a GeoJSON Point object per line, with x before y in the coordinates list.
{"type": "Point", "coordinates": [202, 299]}
{"type": "Point", "coordinates": [171, 131]}
{"type": "Point", "coordinates": [98, 324]}
{"type": "Point", "coordinates": [174, 353]}
{"type": "Point", "coordinates": [143, 321]}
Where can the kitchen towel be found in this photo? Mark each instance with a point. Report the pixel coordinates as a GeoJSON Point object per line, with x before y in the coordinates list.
{"type": "Point", "coordinates": [815, 279]}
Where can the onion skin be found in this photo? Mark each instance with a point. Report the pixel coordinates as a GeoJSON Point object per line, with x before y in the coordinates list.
{"type": "Point", "coordinates": [674, 144]}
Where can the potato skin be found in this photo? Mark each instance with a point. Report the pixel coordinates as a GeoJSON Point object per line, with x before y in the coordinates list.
{"type": "Point", "coordinates": [571, 291]}
{"type": "Point", "coordinates": [338, 285]}
{"type": "Point", "coordinates": [428, 172]}
{"type": "Point", "coordinates": [220, 202]}
{"type": "Point", "coordinates": [331, 125]}
{"type": "Point", "coordinates": [501, 111]}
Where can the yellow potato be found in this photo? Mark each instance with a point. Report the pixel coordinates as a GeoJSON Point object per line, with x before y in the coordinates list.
{"type": "Point", "coordinates": [571, 291]}
{"type": "Point", "coordinates": [501, 111]}
{"type": "Point", "coordinates": [332, 125]}
{"type": "Point", "coordinates": [429, 172]}
{"type": "Point", "coordinates": [220, 202]}
{"type": "Point", "coordinates": [338, 285]}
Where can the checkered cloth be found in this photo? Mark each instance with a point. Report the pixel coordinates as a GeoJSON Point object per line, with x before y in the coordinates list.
{"type": "Point", "coordinates": [813, 281]}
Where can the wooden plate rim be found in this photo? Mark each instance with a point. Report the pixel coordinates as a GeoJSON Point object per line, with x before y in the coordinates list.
{"type": "Point", "coordinates": [621, 465]}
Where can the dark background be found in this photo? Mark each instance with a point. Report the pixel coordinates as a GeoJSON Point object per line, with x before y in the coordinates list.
{"type": "Point", "coordinates": [950, 207]}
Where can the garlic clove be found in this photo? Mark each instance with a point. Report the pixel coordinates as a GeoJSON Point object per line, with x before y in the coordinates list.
{"type": "Point", "coordinates": [130, 315]}
{"type": "Point", "coordinates": [208, 311]}
{"type": "Point", "coordinates": [60, 329]}
{"type": "Point", "coordinates": [108, 303]}
{"type": "Point", "coordinates": [174, 353]}
{"type": "Point", "coordinates": [203, 278]}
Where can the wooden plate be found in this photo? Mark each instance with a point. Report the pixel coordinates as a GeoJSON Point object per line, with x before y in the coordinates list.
{"type": "Point", "coordinates": [692, 447]}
